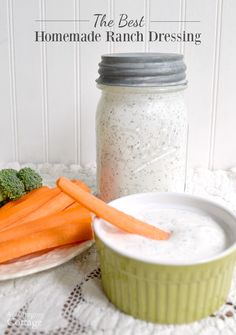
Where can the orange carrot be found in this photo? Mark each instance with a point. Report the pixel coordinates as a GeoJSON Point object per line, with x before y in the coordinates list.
{"type": "Point", "coordinates": [54, 205]}
{"type": "Point", "coordinates": [26, 207]}
{"type": "Point", "coordinates": [47, 222]}
{"type": "Point", "coordinates": [35, 192]}
{"type": "Point", "coordinates": [75, 204]}
{"type": "Point", "coordinates": [110, 214]}
{"type": "Point", "coordinates": [81, 184]}
{"type": "Point", "coordinates": [46, 239]}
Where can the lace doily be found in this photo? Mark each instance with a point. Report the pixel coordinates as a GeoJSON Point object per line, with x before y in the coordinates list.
{"type": "Point", "coordinates": [69, 299]}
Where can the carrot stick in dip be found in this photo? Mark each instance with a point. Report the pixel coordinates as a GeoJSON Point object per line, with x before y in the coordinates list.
{"type": "Point", "coordinates": [110, 214]}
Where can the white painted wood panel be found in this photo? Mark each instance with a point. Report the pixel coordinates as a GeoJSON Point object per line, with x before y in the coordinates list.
{"type": "Point", "coordinates": [127, 7]}
{"type": "Point", "coordinates": [224, 149]}
{"type": "Point", "coordinates": [27, 80]}
{"type": "Point", "coordinates": [201, 67]}
{"type": "Point", "coordinates": [8, 150]}
{"type": "Point", "coordinates": [48, 94]}
{"type": "Point", "coordinates": [60, 82]}
{"type": "Point", "coordinates": [165, 10]}
{"type": "Point", "coordinates": [90, 56]}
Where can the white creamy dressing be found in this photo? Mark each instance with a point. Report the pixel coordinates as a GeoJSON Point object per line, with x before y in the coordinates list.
{"type": "Point", "coordinates": [141, 141]}
{"type": "Point", "coordinates": [195, 236]}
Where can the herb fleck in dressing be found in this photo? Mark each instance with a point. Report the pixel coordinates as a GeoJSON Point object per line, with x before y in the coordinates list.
{"type": "Point", "coordinates": [195, 236]}
{"type": "Point", "coordinates": [141, 141]}
{"type": "Point", "coordinates": [141, 124]}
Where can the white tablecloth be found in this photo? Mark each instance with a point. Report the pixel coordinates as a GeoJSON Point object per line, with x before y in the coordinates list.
{"type": "Point", "coordinates": [69, 299]}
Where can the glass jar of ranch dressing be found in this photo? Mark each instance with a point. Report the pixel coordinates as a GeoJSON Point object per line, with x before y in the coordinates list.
{"type": "Point", "coordinates": [141, 124]}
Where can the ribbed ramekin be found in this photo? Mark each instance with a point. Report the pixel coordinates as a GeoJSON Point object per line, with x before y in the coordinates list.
{"type": "Point", "coordinates": [167, 293]}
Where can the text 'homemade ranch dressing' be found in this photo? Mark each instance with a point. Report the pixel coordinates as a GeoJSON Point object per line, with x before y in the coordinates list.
{"type": "Point", "coordinates": [141, 124]}
{"type": "Point", "coordinates": [195, 236]}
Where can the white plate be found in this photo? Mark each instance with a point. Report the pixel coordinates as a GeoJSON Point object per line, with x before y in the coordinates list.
{"type": "Point", "coordinates": [42, 262]}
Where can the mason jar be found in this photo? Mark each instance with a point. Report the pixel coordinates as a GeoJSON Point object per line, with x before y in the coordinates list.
{"type": "Point", "coordinates": [141, 124]}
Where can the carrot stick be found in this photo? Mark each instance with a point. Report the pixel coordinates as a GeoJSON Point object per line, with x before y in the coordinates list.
{"type": "Point", "coordinates": [110, 214]}
{"type": "Point", "coordinates": [54, 205]}
{"type": "Point", "coordinates": [81, 184]}
{"type": "Point", "coordinates": [13, 203]}
{"type": "Point", "coordinates": [26, 207]}
{"type": "Point", "coordinates": [75, 204]}
{"type": "Point", "coordinates": [46, 239]}
{"type": "Point", "coordinates": [38, 191]}
{"type": "Point", "coordinates": [47, 222]}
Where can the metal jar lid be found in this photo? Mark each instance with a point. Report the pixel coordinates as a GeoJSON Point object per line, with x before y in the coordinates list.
{"type": "Point", "coordinates": [142, 69]}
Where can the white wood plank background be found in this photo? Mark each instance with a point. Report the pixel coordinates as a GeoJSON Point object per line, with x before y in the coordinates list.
{"type": "Point", "coordinates": [48, 94]}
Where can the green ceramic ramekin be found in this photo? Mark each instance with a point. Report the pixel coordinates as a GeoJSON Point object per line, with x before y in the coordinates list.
{"type": "Point", "coordinates": [168, 293]}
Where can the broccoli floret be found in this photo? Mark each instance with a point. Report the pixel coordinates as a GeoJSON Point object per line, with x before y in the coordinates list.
{"type": "Point", "coordinates": [30, 178]}
{"type": "Point", "coordinates": [11, 187]}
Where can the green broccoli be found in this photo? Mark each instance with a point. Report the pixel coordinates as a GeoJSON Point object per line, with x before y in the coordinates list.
{"type": "Point", "coordinates": [30, 178]}
{"type": "Point", "coordinates": [11, 187]}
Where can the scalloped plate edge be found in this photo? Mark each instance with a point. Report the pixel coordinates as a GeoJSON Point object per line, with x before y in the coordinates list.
{"type": "Point", "coordinates": [37, 264]}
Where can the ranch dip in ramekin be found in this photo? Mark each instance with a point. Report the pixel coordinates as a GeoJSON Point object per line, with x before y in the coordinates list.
{"type": "Point", "coordinates": [179, 280]}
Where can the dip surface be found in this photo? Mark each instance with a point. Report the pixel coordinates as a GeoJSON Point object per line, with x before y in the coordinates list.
{"type": "Point", "coordinates": [196, 236]}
